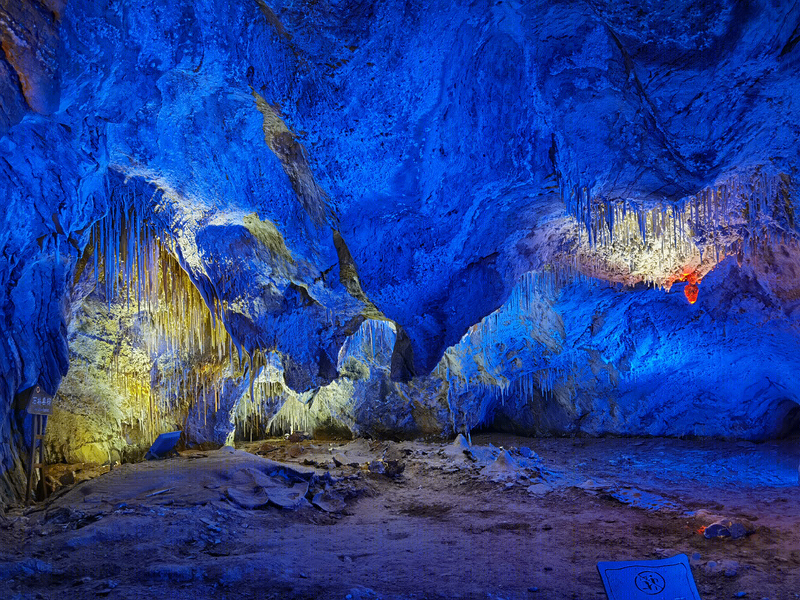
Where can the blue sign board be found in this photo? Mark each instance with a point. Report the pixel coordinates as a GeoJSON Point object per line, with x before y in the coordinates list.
{"type": "Point", "coordinates": [665, 579]}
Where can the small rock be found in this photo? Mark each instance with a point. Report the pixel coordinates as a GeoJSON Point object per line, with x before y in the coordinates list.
{"type": "Point", "coordinates": [377, 466]}
{"type": "Point", "coordinates": [329, 502]}
{"type": "Point", "coordinates": [727, 528]}
{"type": "Point", "coordinates": [460, 442]}
{"type": "Point", "coordinates": [503, 468]}
{"type": "Point", "coordinates": [252, 498]}
{"type": "Point", "coordinates": [737, 531]}
{"type": "Point", "coordinates": [61, 515]}
{"type": "Point", "coordinates": [732, 570]}
{"type": "Point", "coordinates": [539, 488]}
{"type": "Point", "coordinates": [458, 449]}
{"type": "Point", "coordinates": [716, 530]}
{"type": "Point", "coordinates": [393, 468]}
{"type": "Point", "coordinates": [362, 593]}
{"type": "Point", "coordinates": [266, 448]}
{"type": "Point", "coordinates": [289, 497]}
{"type": "Point", "coordinates": [339, 460]}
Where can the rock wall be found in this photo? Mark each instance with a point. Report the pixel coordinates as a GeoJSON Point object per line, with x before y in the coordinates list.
{"type": "Point", "coordinates": [634, 362]}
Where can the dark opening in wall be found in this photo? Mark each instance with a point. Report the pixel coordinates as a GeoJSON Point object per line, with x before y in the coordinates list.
{"type": "Point", "coordinates": [792, 428]}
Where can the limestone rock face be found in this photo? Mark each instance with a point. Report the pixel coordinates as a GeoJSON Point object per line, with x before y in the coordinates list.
{"type": "Point", "coordinates": [102, 411]}
{"type": "Point", "coordinates": [364, 400]}
{"type": "Point", "coordinates": [633, 362]}
{"type": "Point", "coordinates": [315, 166]}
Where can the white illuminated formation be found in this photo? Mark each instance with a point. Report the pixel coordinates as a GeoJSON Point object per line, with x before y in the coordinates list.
{"type": "Point", "coordinates": [267, 393]}
{"type": "Point", "coordinates": [517, 350]}
{"type": "Point", "coordinates": [188, 366]}
{"type": "Point", "coordinates": [631, 242]}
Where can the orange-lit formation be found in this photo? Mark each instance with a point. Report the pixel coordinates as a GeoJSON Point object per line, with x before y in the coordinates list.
{"type": "Point", "coordinates": [692, 286]}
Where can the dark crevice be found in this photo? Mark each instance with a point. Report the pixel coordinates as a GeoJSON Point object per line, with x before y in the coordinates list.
{"type": "Point", "coordinates": [794, 39]}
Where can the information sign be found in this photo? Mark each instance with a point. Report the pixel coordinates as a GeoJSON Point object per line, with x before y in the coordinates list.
{"type": "Point", "coordinates": [666, 579]}
{"type": "Point", "coordinates": [41, 403]}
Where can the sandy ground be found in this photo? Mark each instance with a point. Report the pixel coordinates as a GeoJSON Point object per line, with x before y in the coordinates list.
{"type": "Point", "coordinates": [488, 521]}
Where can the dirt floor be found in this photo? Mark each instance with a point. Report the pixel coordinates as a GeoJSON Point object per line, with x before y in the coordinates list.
{"type": "Point", "coordinates": [505, 518]}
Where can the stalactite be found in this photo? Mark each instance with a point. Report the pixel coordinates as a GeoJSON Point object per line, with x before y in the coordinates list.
{"type": "Point", "coordinates": [670, 236]}
{"type": "Point", "coordinates": [137, 264]}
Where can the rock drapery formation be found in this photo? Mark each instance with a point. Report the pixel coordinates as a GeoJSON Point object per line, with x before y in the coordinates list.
{"type": "Point", "coordinates": [514, 195]}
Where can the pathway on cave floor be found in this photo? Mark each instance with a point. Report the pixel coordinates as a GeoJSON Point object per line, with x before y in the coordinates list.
{"type": "Point", "coordinates": [441, 529]}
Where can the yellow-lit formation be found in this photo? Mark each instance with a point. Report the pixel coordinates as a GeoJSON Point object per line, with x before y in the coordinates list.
{"type": "Point", "coordinates": [191, 354]}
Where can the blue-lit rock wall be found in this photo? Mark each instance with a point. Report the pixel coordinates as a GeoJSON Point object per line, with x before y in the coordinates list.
{"type": "Point", "coordinates": [590, 357]}
{"type": "Point", "coordinates": [317, 164]}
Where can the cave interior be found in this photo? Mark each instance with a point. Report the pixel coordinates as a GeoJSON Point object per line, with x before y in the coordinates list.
{"type": "Point", "coordinates": [445, 299]}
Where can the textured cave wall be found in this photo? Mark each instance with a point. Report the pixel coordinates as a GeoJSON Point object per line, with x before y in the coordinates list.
{"type": "Point", "coordinates": [586, 356]}
{"type": "Point", "coordinates": [122, 390]}
{"type": "Point", "coordinates": [364, 400]}
{"type": "Point", "coordinates": [318, 164]}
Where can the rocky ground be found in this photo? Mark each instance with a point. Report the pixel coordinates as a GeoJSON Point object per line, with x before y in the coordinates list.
{"type": "Point", "coordinates": [506, 517]}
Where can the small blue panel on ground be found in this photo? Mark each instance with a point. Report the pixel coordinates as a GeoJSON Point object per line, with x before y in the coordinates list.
{"type": "Point", "coordinates": [164, 444]}
{"type": "Point", "coordinates": [666, 579]}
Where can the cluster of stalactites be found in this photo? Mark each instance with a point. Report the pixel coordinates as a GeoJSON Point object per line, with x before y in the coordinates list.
{"type": "Point", "coordinates": [139, 265]}
{"type": "Point", "coordinates": [191, 353]}
{"type": "Point", "coordinates": [634, 242]}
{"type": "Point", "coordinates": [374, 341]}
{"type": "Point", "coordinates": [267, 392]}
{"type": "Point", "coordinates": [294, 415]}
{"type": "Point", "coordinates": [307, 411]}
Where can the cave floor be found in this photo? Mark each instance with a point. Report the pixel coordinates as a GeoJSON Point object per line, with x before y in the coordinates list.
{"type": "Point", "coordinates": [487, 521]}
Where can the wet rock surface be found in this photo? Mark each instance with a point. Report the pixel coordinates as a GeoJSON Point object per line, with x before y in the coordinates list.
{"type": "Point", "coordinates": [460, 517]}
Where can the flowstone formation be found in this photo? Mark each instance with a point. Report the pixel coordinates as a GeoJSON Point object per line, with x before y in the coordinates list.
{"type": "Point", "coordinates": [550, 217]}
